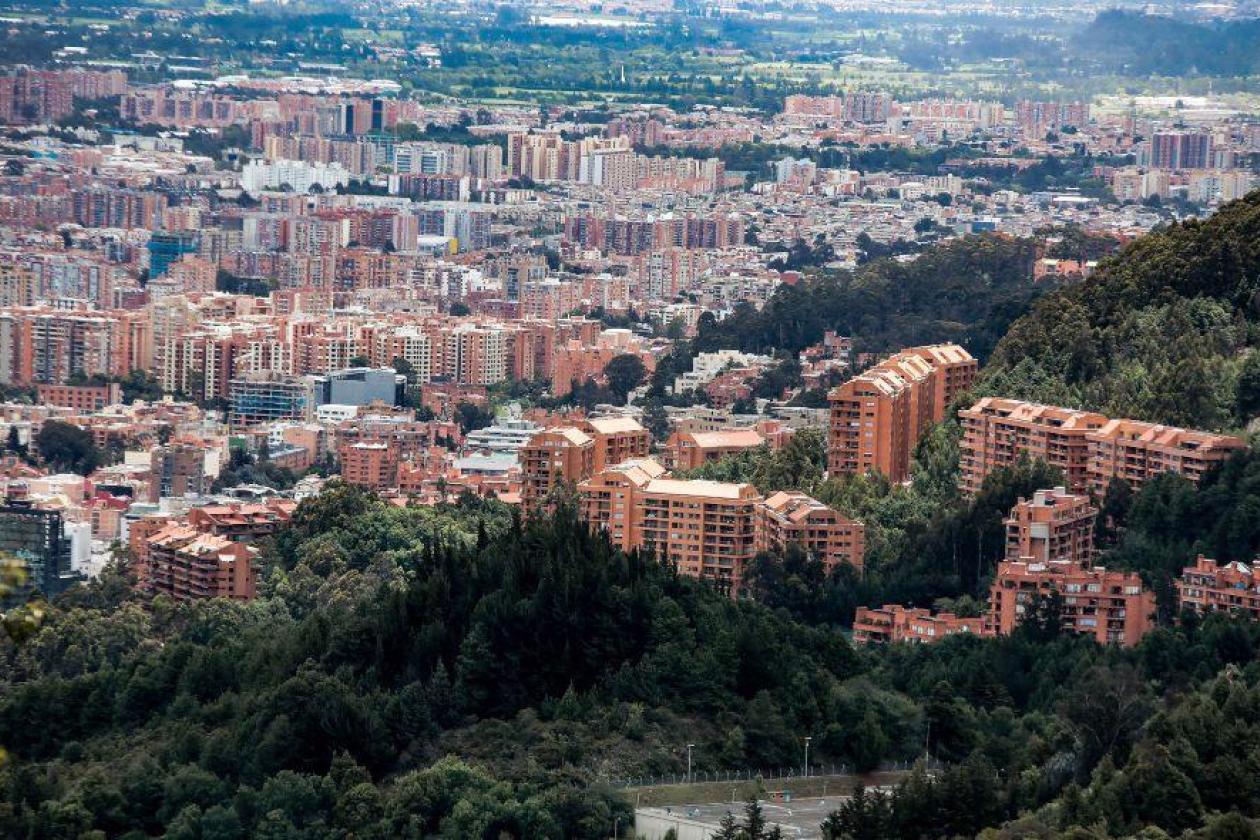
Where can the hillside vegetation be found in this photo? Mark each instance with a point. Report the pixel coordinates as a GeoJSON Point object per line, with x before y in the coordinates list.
{"type": "Point", "coordinates": [966, 290]}
{"type": "Point", "coordinates": [418, 673]}
{"type": "Point", "coordinates": [1165, 331]}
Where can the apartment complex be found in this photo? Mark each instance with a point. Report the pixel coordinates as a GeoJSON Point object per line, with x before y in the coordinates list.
{"type": "Point", "coordinates": [710, 529]}
{"type": "Point", "coordinates": [1137, 452]}
{"type": "Point", "coordinates": [566, 455]}
{"type": "Point", "coordinates": [895, 623]}
{"type": "Point", "coordinates": [705, 529]}
{"type": "Point", "coordinates": [241, 522]}
{"type": "Point", "coordinates": [82, 398]}
{"type": "Point", "coordinates": [187, 564]}
{"type": "Point", "coordinates": [790, 517]}
{"type": "Point", "coordinates": [688, 450]}
{"type": "Point", "coordinates": [879, 416]}
{"type": "Point", "coordinates": [554, 458]}
{"type": "Point", "coordinates": [617, 439]}
{"type": "Point", "coordinates": [1088, 447]}
{"type": "Point", "coordinates": [373, 465]}
{"type": "Point", "coordinates": [1052, 525]}
{"type": "Point", "coordinates": [1206, 587]}
{"type": "Point", "coordinates": [1111, 607]}
{"type": "Point", "coordinates": [997, 432]}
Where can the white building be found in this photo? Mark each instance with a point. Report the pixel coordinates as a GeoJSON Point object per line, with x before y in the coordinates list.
{"type": "Point", "coordinates": [299, 175]}
{"type": "Point", "coordinates": [706, 366]}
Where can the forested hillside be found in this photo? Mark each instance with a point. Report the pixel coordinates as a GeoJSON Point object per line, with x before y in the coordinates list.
{"type": "Point", "coordinates": [446, 673]}
{"type": "Point", "coordinates": [1165, 331]}
{"type": "Point", "coordinates": [1131, 42]}
{"type": "Point", "coordinates": [967, 291]}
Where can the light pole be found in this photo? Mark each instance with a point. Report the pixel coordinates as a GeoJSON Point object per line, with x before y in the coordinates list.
{"type": "Point", "coordinates": [616, 827]}
{"type": "Point", "coordinates": [807, 740]}
{"type": "Point", "coordinates": [689, 746]}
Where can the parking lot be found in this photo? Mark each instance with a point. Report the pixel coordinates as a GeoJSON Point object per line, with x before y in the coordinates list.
{"type": "Point", "coordinates": [799, 817]}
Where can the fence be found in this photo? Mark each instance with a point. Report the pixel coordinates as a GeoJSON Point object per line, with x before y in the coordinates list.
{"type": "Point", "coordinates": [749, 774]}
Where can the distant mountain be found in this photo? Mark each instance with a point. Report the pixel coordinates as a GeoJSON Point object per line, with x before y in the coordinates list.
{"type": "Point", "coordinates": [1167, 330]}
{"type": "Point", "coordinates": [1133, 43]}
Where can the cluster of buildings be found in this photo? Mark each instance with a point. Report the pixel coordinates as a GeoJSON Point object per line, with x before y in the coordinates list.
{"type": "Point", "coordinates": [1050, 537]}
{"type": "Point", "coordinates": [710, 530]}
{"type": "Point", "coordinates": [326, 277]}
{"type": "Point", "coordinates": [1049, 555]}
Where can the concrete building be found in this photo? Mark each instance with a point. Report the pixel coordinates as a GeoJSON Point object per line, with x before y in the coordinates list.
{"type": "Point", "coordinates": [360, 386]}
{"type": "Point", "coordinates": [504, 437]}
{"type": "Point", "coordinates": [1180, 150]}
{"type": "Point", "coordinates": [260, 398]}
{"type": "Point", "coordinates": [895, 623]}
{"type": "Point", "coordinates": [177, 469]}
{"type": "Point", "coordinates": [1052, 525]}
{"type": "Point", "coordinates": [297, 175]}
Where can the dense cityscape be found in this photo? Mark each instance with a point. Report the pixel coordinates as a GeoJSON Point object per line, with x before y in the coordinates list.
{"type": "Point", "coordinates": [669, 421]}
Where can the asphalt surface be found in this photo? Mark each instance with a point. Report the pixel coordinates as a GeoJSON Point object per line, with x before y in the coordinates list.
{"type": "Point", "coordinates": [799, 818]}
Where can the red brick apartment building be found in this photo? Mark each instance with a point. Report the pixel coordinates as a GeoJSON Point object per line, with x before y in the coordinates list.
{"type": "Point", "coordinates": [369, 464]}
{"type": "Point", "coordinates": [1090, 448]}
{"type": "Point", "coordinates": [997, 432]}
{"type": "Point", "coordinates": [82, 398]}
{"type": "Point", "coordinates": [1207, 587]}
{"type": "Point", "coordinates": [688, 450]}
{"type": "Point", "coordinates": [711, 529]}
{"type": "Point", "coordinates": [243, 522]}
{"type": "Point", "coordinates": [895, 623]}
{"type": "Point", "coordinates": [569, 454]}
{"type": "Point", "coordinates": [187, 564]}
{"type": "Point", "coordinates": [554, 458]}
{"type": "Point", "coordinates": [1111, 607]}
{"type": "Point", "coordinates": [707, 529]}
{"type": "Point", "coordinates": [791, 517]}
{"type": "Point", "coordinates": [617, 439]}
{"type": "Point", "coordinates": [879, 416]}
{"type": "Point", "coordinates": [1052, 525]}
{"type": "Point", "coordinates": [1137, 452]}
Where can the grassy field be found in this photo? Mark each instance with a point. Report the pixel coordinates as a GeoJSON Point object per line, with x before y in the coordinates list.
{"type": "Point", "coordinates": [740, 791]}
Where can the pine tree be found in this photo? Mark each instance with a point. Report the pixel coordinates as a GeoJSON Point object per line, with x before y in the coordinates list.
{"type": "Point", "coordinates": [754, 820]}
{"type": "Point", "coordinates": [728, 829]}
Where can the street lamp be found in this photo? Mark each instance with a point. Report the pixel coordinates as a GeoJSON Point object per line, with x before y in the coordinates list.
{"type": "Point", "coordinates": [807, 740]}
{"type": "Point", "coordinates": [689, 746]}
{"type": "Point", "coordinates": [616, 827]}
